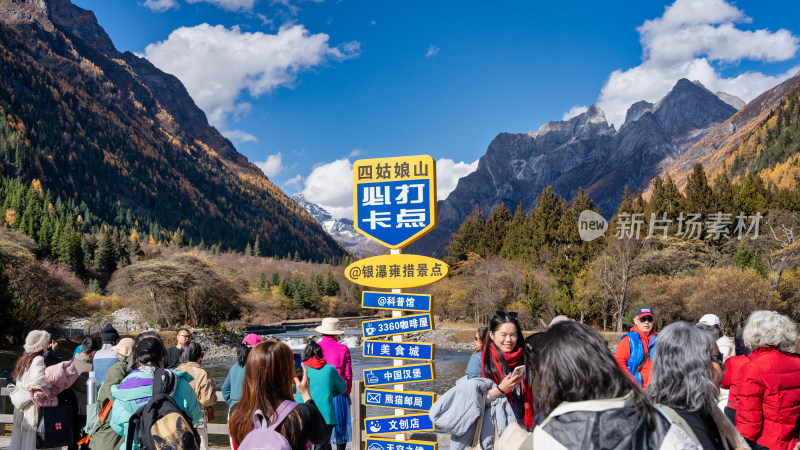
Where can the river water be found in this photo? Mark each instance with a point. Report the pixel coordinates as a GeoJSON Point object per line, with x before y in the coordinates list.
{"type": "Point", "coordinates": [449, 365]}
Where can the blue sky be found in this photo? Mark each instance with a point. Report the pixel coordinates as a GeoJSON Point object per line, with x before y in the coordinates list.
{"type": "Point", "coordinates": [304, 88]}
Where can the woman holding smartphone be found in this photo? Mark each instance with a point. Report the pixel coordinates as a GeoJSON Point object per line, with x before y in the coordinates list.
{"type": "Point", "coordinates": [502, 360]}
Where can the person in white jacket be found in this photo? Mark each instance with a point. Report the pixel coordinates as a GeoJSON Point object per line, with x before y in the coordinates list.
{"type": "Point", "coordinates": [28, 374]}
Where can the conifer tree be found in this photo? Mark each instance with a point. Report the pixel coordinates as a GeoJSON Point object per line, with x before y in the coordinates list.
{"type": "Point", "coordinates": [331, 284]}
{"type": "Point", "coordinates": [699, 195]}
{"type": "Point", "coordinates": [247, 250]}
{"type": "Point", "coordinates": [468, 238]}
{"type": "Point", "coordinates": [274, 279]}
{"type": "Point", "coordinates": [514, 240]}
{"type": "Point", "coordinates": [495, 230]}
{"type": "Point", "coordinates": [262, 282]}
{"type": "Point", "coordinates": [106, 256]}
{"type": "Point", "coordinates": [544, 222]}
{"type": "Point", "coordinates": [257, 248]}
{"type": "Point", "coordinates": [723, 193]}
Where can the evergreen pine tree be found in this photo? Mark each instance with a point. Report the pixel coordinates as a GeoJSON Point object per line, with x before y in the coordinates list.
{"type": "Point", "coordinates": [746, 258]}
{"type": "Point", "coordinates": [94, 287]}
{"type": "Point", "coordinates": [247, 250]}
{"type": "Point", "coordinates": [495, 230]}
{"type": "Point", "coordinates": [723, 193]}
{"type": "Point", "coordinates": [331, 284]}
{"type": "Point", "coordinates": [512, 244]}
{"type": "Point", "coordinates": [106, 256]}
{"type": "Point", "coordinates": [262, 282]}
{"type": "Point", "coordinates": [543, 223]}
{"type": "Point", "coordinates": [699, 195]}
{"type": "Point", "coordinates": [257, 248]}
{"type": "Point", "coordinates": [274, 279]}
{"type": "Point", "coordinates": [468, 238]}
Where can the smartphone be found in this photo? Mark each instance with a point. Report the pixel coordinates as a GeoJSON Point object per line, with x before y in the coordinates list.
{"type": "Point", "coordinates": [298, 364]}
{"type": "Point", "coordinates": [519, 370]}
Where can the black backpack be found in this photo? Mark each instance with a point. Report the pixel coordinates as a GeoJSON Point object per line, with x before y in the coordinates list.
{"type": "Point", "coordinates": [160, 423]}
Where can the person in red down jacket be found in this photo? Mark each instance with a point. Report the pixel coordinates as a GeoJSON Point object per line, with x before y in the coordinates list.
{"type": "Point", "coordinates": [733, 373]}
{"type": "Point", "coordinates": [768, 392]}
{"type": "Point", "coordinates": [635, 349]}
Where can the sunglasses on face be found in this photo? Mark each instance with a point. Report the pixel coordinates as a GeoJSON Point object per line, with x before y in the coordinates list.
{"type": "Point", "coordinates": [504, 315]}
{"type": "Point", "coordinates": [646, 319]}
{"type": "Point", "coordinates": [718, 359]}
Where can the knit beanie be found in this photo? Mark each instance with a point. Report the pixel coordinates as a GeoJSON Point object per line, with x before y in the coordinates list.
{"type": "Point", "coordinates": [37, 341]}
{"type": "Point", "coordinates": [109, 334]}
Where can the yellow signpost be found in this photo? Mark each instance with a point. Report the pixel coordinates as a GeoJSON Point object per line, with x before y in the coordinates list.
{"type": "Point", "coordinates": [394, 203]}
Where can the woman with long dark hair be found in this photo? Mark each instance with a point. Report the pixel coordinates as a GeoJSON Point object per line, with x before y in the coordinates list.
{"type": "Point", "coordinates": [501, 353]}
{"type": "Point", "coordinates": [268, 377]}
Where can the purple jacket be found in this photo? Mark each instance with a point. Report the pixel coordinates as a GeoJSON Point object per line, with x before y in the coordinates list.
{"type": "Point", "coordinates": [338, 355]}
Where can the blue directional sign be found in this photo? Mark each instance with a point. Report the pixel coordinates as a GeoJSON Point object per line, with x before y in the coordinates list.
{"type": "Point", "coordinates": [398, 374]}
{"type": "Point", "coordinates": [399, 424]}
{"type": "Point", "coordinates": [399, 399]}
{"type": "Point", "coordinates": [394, 199]}
{"type": "Point", "coordinates": [421, 351]}
{"type": "Point", "coordinates": [391, 444]}
{"type": "Point", "coordinates": [397, 325]}
{"type": "Point", "coordinates": [402, 302]}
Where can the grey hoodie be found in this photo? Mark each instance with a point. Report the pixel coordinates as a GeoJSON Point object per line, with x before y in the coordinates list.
{"type": "Point", "coordinates": [458, 411]}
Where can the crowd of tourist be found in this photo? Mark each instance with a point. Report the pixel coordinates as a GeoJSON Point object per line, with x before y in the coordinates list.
{"type": "Point", "coordinates": [688, 386]}
{"type": "Point", "coordinates": [132, 385]}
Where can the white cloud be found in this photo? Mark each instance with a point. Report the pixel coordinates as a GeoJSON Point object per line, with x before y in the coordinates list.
{"type": "Point", "coordinates": [160, 5]}
{"type": "Point", "coordinates": [217, 64]}
{"type": "Point", "coordinates": [295, 183]}
{"type": "Point", "coordinates": [432, 51]}
{"type": "Point", "coordinates": [272, 166]}
{"type": "Point", "coordinates": [229, 5]}
{"type": "Point", "coordinates": [448, 172]}
{"type": "Point", "coordinates": [357, 152]}
{"type": "Point", "coordinates": [238, 136]}
{"type": "Point", "coordinates": [574, 111]}
{"type": "Point", "coordinates": [330, 185]}
{"type": "Point", "coordinates": [685, 42]}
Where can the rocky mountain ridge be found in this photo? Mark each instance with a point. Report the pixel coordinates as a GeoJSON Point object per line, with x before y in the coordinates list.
{"type": "Point", "coordinates": [582, 151]}
{"type": "Point", "coordinates": [111, 130]}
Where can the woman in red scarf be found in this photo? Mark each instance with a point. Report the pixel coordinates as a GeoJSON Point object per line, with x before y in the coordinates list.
{"type": "Point", "coordinates": [501, 353]}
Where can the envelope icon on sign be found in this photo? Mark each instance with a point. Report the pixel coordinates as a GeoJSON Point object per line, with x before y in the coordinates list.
{"type": "Point", "coordinates": [373, 397]}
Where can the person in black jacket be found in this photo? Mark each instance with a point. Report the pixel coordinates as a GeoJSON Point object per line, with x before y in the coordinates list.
{"type": "Point", "coordinates": [268, 376]}
{"type": "Point", "coordinates": [174, 353]}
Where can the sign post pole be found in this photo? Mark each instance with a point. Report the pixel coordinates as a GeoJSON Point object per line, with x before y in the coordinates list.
{"type": "Point", "coordinates": [398, 338]}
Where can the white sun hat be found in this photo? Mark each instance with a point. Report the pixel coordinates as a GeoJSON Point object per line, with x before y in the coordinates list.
{"type": "Point", "coordinates": [330, 326]}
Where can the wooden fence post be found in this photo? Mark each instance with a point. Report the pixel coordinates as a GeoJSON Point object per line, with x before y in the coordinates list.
{"type": "Point", "coordinates": [358, 413]}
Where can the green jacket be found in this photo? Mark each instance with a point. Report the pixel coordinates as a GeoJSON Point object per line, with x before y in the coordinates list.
{"type": "Point", "coordinates": [324, 383]}
{"type": "Point", "coordinates": [137, 388]}
{"type": "Point", "coordinates": [103, 437]}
